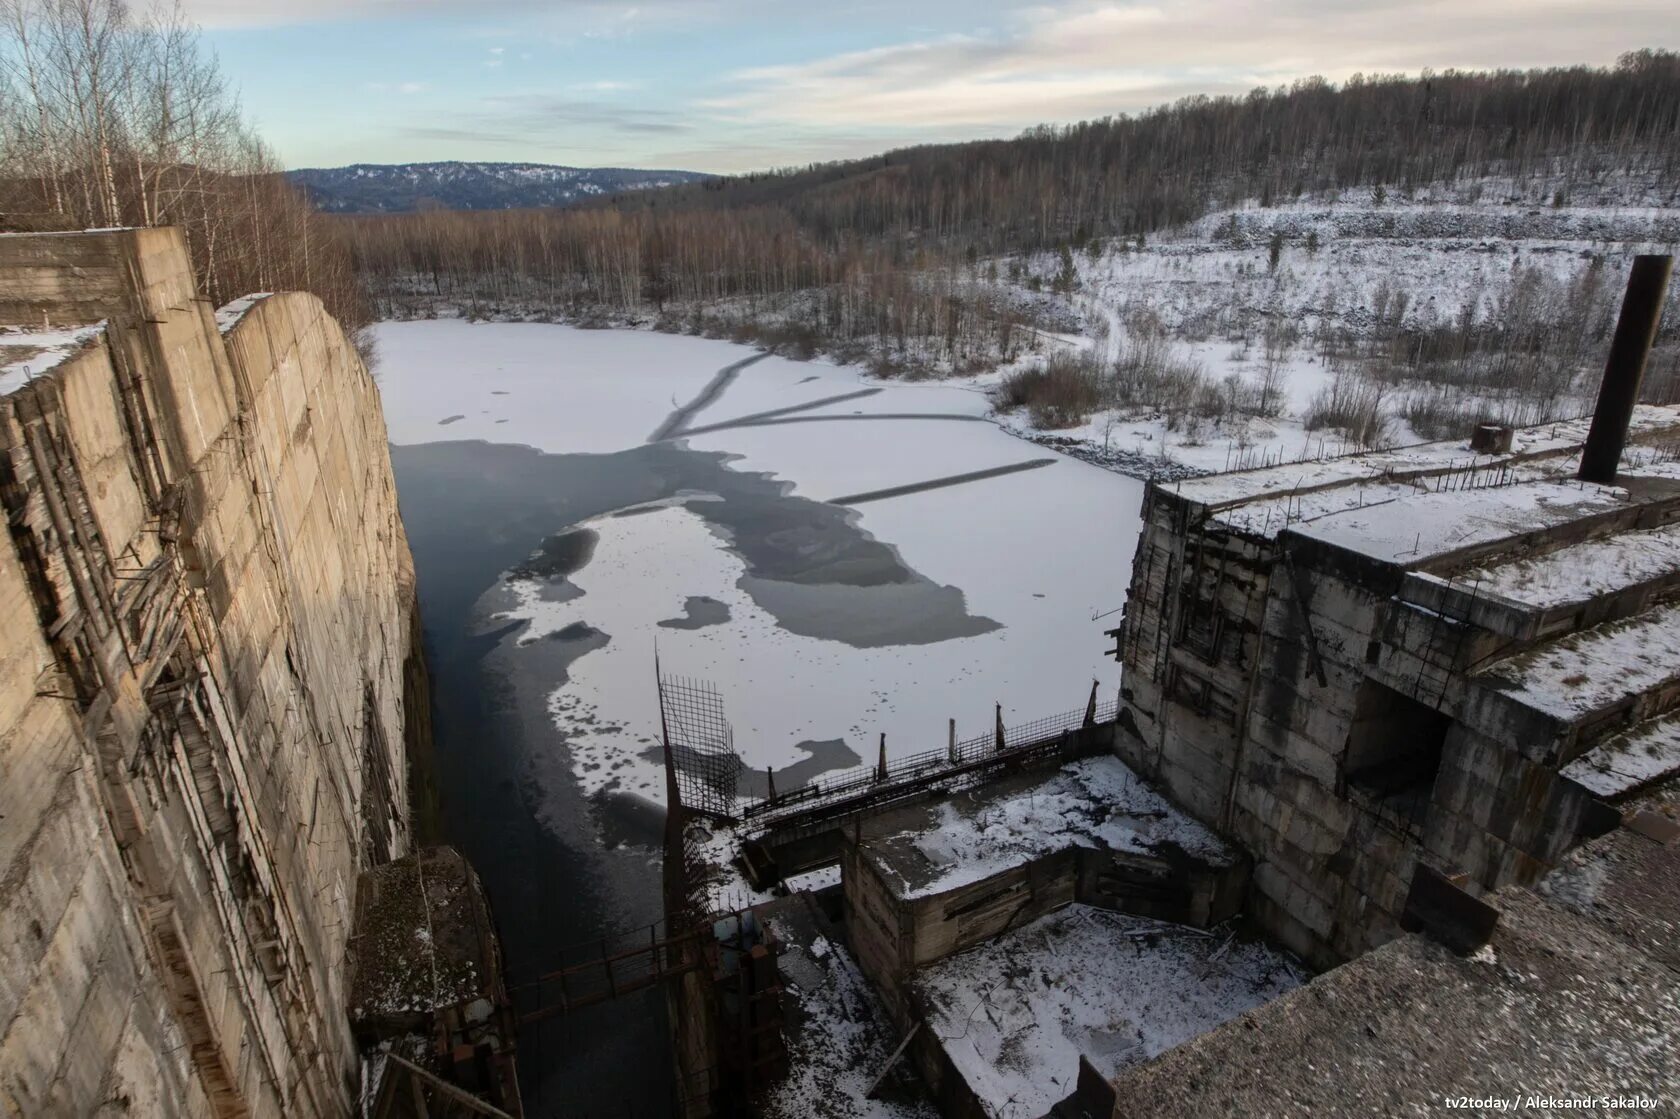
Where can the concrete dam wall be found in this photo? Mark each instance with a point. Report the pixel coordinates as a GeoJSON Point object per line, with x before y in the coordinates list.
{"type": "Point", "coordinates": [209, 629]}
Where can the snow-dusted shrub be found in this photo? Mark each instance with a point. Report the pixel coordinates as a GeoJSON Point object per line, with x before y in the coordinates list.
{"type": "Point", "coordinates": [1354, 403]}
{"type": "Point", "coordinates": [1147, 375]}
{"type": "Point", "coordinates": [1068, 388]}
{"type": "Point", "coordinates": [1439, 413]}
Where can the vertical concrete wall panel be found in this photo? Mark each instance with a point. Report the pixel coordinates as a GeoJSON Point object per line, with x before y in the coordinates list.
{"type": "Point", "coordinates": [182, 770]}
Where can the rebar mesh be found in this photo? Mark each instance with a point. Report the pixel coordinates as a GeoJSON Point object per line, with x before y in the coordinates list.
{"type": "Point", "coordinates": [702, 746]}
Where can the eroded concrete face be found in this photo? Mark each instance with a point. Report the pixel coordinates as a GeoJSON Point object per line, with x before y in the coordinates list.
{"type": "Point", "coordinates": [1415, 657]}
{"type": "Point", "coordinates": [210, 626]}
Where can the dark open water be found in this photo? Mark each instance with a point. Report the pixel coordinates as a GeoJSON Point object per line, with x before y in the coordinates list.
{"type": "Point", "coordinates": [560, 869]}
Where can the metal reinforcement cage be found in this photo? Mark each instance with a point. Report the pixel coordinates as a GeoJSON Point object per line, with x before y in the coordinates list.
{"type": "Point", "coordinates": [702, 746]}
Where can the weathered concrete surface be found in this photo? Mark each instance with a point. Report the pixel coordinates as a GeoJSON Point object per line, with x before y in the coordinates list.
{"type": "Point", "coordinates": [1321, 679]}
{"type": "Point", "coordinates": [426, 977]}
{"type": "Point", "coordinates": [1576, 996]}
{"type": "Point", "coordinates": [925, 881]}
{"type": "Point", "coordinates": [209, 610]}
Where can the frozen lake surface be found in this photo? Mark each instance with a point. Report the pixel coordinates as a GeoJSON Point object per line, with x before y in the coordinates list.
{"type": "Point", "coordinates": [574, 498]}
{"type": "Point", "coordinates": [713, 534]}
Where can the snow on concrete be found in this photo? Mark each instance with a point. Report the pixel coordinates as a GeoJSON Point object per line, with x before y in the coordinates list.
{"type": "Point", "coordinates": [26, 353]}
{"type": "Point", "coordinates": [813, 880]}
{"type": "Point", "coordinates": [1590, 670]}
{"type": "Point", "coordinates": [1230, 489]}
{"type": "Point", "coordinates": [1097, 802]}
{"type": "Point", "coordinates": [1412, 529]}
{"type": "Point", "coordinates": [1628, 762]}
{"type": "Point", "coordinates": [1040, 552]}
{"type": "Point", "coordinates": [1581, 572]}
{"type": "Point", "coordinates": [228, 315]}
{"type": "Point", "coordinates": [1325, 484]}
{"type": "Point", "coordinates": [842, 1041]}
{"type": "Point", "coordinates": [1016, 1014]}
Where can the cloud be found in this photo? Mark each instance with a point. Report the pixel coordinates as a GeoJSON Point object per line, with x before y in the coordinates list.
{"type": "Point", "coordinates": [600, 18]}
{"type": "Point", "coordinates": [939, 70]}
{"type": "Point", "coordinates": [1089, 59]}
{"type": "Point", "coordinates": [533, 121]}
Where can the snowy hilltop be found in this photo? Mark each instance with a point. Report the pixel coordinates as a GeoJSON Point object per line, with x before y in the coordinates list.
{"type": "Point", "coordinates": [1353, 319]}
{"type": "Point", "coordinates": [377, 188]}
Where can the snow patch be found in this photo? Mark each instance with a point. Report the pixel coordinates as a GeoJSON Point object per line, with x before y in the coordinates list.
{"type": "Point", "coordinates": [26, 353]}
{"type": "Point", "coordinates": [1097, 802]}
{"type": "Point", "coordinates": [1016, 1014]}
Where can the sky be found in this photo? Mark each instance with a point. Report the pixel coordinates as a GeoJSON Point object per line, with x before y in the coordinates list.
{"type": "Point", "coordinates": [740, 85]}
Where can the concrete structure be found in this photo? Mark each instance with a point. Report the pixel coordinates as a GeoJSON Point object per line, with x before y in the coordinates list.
{"type": "Point", "coordinates": [926, 881]}
{"type": "Point", "coordinates": [1574, 999]}
{"type": "Point", "coordinates": [1009, 1026]}
{"type": "Point", "coordinates": [1365, 699]}
{"type": "Point", "coordinates": [427, 980]}
{"type": "Point", "coordinates": [209, 637]}
{"type": "Point", "coordinates": [1421, 656]}
{"type": "Point", "coordinates": [1403, 687]}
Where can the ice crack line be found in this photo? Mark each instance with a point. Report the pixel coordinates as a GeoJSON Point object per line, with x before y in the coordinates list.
{"type": "Point", "coordinates": [678, 420]}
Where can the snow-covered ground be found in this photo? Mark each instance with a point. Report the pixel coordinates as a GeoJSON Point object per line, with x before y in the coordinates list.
{"type": "Point", "coordinates": [1345, 262]}
{"type": "Point", "coordinates": [842, 1037]}
{"type": "Point", "coordinates": [1351, 266]}
{"type": "Point", "coordinates": [1039, 552]}
{"type": "Point", "coordinates": [1016, 1013]}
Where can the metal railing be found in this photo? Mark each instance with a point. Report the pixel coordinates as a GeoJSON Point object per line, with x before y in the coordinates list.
{"type": "Point", "coordinates": [928, 765]}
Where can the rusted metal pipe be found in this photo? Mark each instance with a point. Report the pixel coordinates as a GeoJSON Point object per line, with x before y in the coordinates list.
{"type": "Point", "coordinates": [1624, 370]}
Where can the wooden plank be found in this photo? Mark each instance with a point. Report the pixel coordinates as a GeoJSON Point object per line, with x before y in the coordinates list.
{"type": "Point", "coordinates": [892, 1060]}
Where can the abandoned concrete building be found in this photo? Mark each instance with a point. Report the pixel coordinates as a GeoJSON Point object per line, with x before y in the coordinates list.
{"type": "Point", "coordinates": [209, 674]}
{"type": "Point", "coordinates": [1407, 719]}
{"type": "Point", "coordinates": [1355, 666]}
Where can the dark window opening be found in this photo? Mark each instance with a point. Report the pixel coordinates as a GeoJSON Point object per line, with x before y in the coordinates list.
{"type": "Point", "coordinates": [1394, 748]}
{"type": "Point", "coordinates": [1202, 626]}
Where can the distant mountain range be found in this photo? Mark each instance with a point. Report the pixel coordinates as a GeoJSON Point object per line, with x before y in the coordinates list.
{"type": "Point", "coordinates": [375, 188]}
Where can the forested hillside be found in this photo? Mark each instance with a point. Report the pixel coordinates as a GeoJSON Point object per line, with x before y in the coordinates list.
{"type": "Point", "coordinates": [1575, 126]}
{"type": "Point", "coordinates": [1374, 261]}
{"type": "Point", "coordinates": [849, 236]}
{"type": "Point", "coordinates": [1135, 175]}
{"type": "Point", "coordinates": [380, 188]}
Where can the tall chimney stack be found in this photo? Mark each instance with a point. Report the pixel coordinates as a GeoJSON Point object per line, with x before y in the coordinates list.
{"type": "Point", "coordinates": [1624, 371]}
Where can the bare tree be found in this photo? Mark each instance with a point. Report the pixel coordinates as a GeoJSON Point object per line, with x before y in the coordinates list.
{"type": "Point", "coordinates": [115, 116]}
